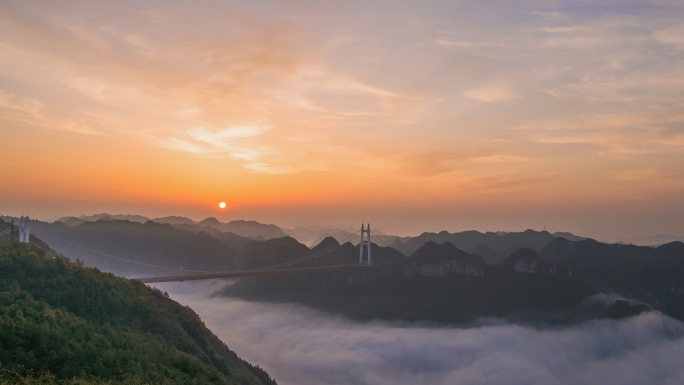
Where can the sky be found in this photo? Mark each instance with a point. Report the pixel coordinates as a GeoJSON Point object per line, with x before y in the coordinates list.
{"type": "Point", "coordinates": [300, 346]}
{"type": "Point", "coordinates": [413, 115]}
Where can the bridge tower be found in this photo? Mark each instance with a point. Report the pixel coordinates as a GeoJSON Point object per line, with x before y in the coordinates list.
{"type": "Point", "coordinates": [365, 243]}
{"type": "Point", "coordinates": [24, 229]}
{"type": "Point", "coordinates": [27, 230]}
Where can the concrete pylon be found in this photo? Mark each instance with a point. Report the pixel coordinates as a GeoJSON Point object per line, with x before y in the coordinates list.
{"type": "Point", "coordinates": [27, 229]}
{"type": "Point", "coordinates": [365, 242]}
{"type": "Point", "coordinates": [22, 228]}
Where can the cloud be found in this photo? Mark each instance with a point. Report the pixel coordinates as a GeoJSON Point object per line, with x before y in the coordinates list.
{"type": "Point", "coordinates": [501, 158]}
{"type": "Point", "coordinates": [440, 162]}
{"type": "Point", "coordinates": [491, 94]}
{"type": "Point", "coordinates": [231, 142]}
{"type": "Point", "coordinates": [26, 106]}
{"type": "Point", "coordinates": [639, 174]}
{"type": "Point", "coordinates": [112, 94]}
{"type": "Point", "coordinates": [671, 36]}
{"type": "Point", "coordinates": [159, 16]}
{"type": "Point", "coordinates": [345, 83]}
{"type": "Point", "coordinates": [456, 43]}
{"type": "Point", "coordinates": [30, 111]}
{"type": "Point", "coordinates": [188, 111]}
{"type": "Point", "coordinates": [221, 138]}
{"type": "Point", "coordinates": [300, 346]}
{"type": "Point", "coordinates": [181, 144]}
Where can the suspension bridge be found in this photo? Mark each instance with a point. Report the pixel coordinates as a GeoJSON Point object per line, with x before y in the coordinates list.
{"type": "Point", "coordinates": [334, 257]}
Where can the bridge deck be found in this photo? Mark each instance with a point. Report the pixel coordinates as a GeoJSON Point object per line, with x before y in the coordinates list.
{"type": "Point", "coordinates": [238, 274]}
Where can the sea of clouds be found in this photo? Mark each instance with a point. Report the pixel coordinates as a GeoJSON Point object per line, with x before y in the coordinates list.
{"type": "Point", "coordinates": [301, 346]}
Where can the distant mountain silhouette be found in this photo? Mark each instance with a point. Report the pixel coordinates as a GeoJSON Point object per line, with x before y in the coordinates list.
{"type": "Point", "coordinates": [326, 243]}
{"type": "Point", "coordinates": [194, 228]}
{"type": "Point", "coordinates": [243, 228]}
{"type": "Point", "coordinates": [433, 253]}
{"type": "Point", "coordinates": [313, 235]}
{"type": "Point", "coordinates": [123, 217]}
{"type": "Point", "coordinates": [433, 259]}
{"type": "Point", "coordinates": [339, 236]}
{"type": "Point", "coordinates": [211, 221]}
{"type": "Point", "coordinates": [174, 220]}
{"type": "Point", "coordinates": [271, 252]}
{"type": "Point", "coordinates": [568, 236]}
{"type": "Point", "coordinates": [657, 240]}
{"type": "Point", "coordinates": [72, 221]}
{"type": "Point", "coordinates": [493, 247]}
{"type": "Point", "coordinates": [231, 239]}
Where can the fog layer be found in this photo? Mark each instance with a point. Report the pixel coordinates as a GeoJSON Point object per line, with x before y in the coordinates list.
{"type": "Point", "coordinates": [300, 346]}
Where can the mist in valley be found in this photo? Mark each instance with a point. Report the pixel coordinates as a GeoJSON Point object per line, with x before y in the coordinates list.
{"type": "Point", "coordinates": [301, 346]}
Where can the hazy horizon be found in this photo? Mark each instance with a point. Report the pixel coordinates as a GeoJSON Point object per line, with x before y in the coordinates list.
{"type": "Point", "coordinates": [643, 239]}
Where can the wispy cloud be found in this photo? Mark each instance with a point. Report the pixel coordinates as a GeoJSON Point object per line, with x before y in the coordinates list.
{"type": "Point", "coordinates": [491, 94]}
{"type": "Point", "coordinates": [230, 142]}
{"type": "Point", "coordinates": [25, 106]}
{"type": "Point", "coordinates": [30, 111]}
{"type": "Point", "coordinates": [640, 174]}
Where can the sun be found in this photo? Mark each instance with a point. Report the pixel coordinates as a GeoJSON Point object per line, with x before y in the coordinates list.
{"type": "Point", "coordinates": [222, 205]}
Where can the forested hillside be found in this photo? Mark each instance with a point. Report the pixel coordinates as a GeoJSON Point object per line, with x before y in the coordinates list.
{"type": "Point", "coordinates": [78, 323]}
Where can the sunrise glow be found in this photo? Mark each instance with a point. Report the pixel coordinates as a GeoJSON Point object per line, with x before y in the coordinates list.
{"type": "Point", "coordinates": [429, 116]}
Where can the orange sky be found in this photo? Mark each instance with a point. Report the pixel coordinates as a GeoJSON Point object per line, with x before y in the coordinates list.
{"type": "Point", "coordinates": [420, 116]}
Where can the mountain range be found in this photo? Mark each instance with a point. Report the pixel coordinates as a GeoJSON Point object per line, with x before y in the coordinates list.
{"type": "Point", "coordinates": [538, 276]}
{"type": "Point", "coordinates": [180, 247]}
{"type": "Point", "coordinates": [493, 247]}
{"type": "Point", "coordinates": [251, 229]}
{"type": "Point", "coordinates": [313, 235]}
{"type": "Point", "coordinates": [438, 282]}
{"type": "Point", "coordinates": [557, 283]}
